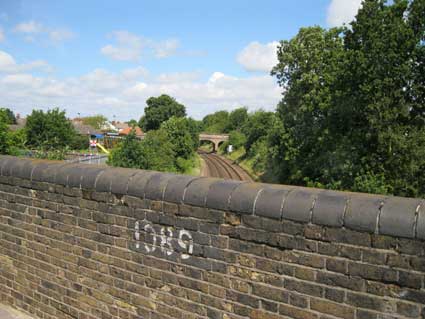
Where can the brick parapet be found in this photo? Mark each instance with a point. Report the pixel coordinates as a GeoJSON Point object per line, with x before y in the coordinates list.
{"type": "Point", "coordinates": [377, 214]}
{"type": "Point", "coordinates": [87, 242]}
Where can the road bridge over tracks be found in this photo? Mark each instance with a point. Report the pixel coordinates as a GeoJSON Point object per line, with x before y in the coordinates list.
{"type": "Point", "coordinates": [215, 139]}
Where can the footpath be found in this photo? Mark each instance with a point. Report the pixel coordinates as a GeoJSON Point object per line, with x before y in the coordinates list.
{"type": "Point", "coordinates": [7, 312]}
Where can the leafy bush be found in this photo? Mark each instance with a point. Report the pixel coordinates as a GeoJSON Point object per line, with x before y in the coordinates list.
{"type": "Point", "coordinates": [9, 115]}
{"type": "Point", "coordinates": [4, 135]}
{"type": "Point", "coordinates": [128, 153]}
{"type": "Point", "coordinates": [182, 137]}
{"type": "Point", "coordinates": [49, 130]}
{"type": "Point", "coordinates": [258, 154]}
{"type": "Point", "coordinates": [154, 152]}
{"type": "Point", "coordinates": [158, 152]}
{"type": "Point", "coordinates": [79, 142]}
{"type": "Point", "coordinates": [51, 154]}
{"type": "Point", "coordinates": [18, 138]}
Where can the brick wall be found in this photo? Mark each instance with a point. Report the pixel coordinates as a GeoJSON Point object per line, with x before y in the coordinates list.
{"type": "Point", "coordinates": [91, 242]}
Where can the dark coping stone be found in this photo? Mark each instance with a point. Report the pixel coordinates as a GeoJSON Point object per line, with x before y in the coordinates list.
{"type": "Point", "coordinates": [90, 176]}
{"type": "Point", "coordinates": [176, 187]}
{"type": "Point", "coordinates": [103, 181]}
{"type": "Point", "coordinates": [220, 192]}
{"type": "Point", "coordinates": [420, 226]}
{"type": "Point", "coordinates": [37, 172]}
{"type": "Point", "coordinates": [398, 217]}
{"type": "Point", "coordinates": [76, 174]}
{"type": "Point", "coordinates": [137, 184]}
{"type": "Point", "coordinates": [19, 166]}
{"type": "Point", "coordinates": [121, 180]}
{"type": "Point", "coordinates": [47, 173]}
{"type": "Point", "coordinates": [63, 172]}
{"type": "Point", "coordinates": [270, 201]}
{"type": "Point", "coordinates": [7, 165]}
{"type": "Point", "coordinates": [24, 171]}
{"type": "Point", "coordinates": [362, 212]}
{"type": "Point", "coordinates": [3, 161]}
{"type": "Point", "coordinates": [197, 191]}
{"type": "Point", "coordinates": [298, 204]}
{"type": "Point", "coordinates": [329, 208]}
{"type": "Point", "coordinates": [244, 196]}
{"type": "Point", "coordinates": [156, 185]}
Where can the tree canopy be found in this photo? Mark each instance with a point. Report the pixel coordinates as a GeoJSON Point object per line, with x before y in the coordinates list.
{"type": "Point", "coordinates": [95, 121]}
{"type": "Point", "coordinates": [10, 116]}
{"type": "Point", "coordinates": [49, 130]}
{"type": "Point", "coordinates": [160, 109]}
{"type": "Point", "coordinates": [352, 116]}
{"type": "Point", "coordinates": [216, 122]}
{"type": "Point", "coordinates": [4, 137]}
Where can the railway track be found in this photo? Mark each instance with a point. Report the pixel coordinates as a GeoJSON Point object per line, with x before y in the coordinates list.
{"type": "Point", "coordinates": [217, 166]}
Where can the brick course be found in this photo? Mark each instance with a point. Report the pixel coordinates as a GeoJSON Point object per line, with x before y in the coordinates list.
{"type": "Point", "coordinates": [88, 242]}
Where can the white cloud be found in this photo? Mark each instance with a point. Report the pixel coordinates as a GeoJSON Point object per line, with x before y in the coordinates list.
{"type": "Point", "coordinates": [130, 47]}
{"type": "Point", "coordinates": [9, 65]}
{"type": "Point", "coordinates": [29, 27]}
{"type": "Point", "coordinates": [166, 48]}
{"type": "Point", "coordinates": [2, 36]}
{"type": "Point", "coordinates": [135, 73]}
{"type": "Point", "coordinates": [34, 31]}
{"type": "Point", "coordinates": [178, 77]}
{"type": "Point", "coordinates": [60, 35]}
{"type": "Point", "coordinates": [342, 11]}
{"type": "Point", "coordinates": [124, 93]}
{"type": "Point", "coordinates": [120, 53]}
{"type": "Point", "coordinates": [259, 57]}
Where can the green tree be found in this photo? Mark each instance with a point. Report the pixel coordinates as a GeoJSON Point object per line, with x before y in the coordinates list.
{"type": "Point", "coordinates": [237, 119]}
{"type": "Point", "coordinates": [49, 130]}
{"type": "Point", "coordinates": [154, 152]}
{"type": "Point", "coordinates": [18, 138]}
{"type": "Point", "coordinates": [257, 127]}
{"type": "Point", "coordinates": [178, 131]}
{"type": "Point", "coordinates": [383, 96]}
{"type": "Point", "coordinates": [301, 146]}
{"type": "Point", "coordinates": [184, 137]}
{"type": "Point", "coordinates": [195, 128]}
{"type": "Point", "coordinates": [128, 153]}
{"type": "Point", "coordinates": [95, 121]}
{"type": "Point", "coordinates": [10, 116]}
{"type": "Point", "coordinates": [352, 116]}
{"type": "Point", "coordinates": [160, 109]}
{"type": "Point", "coordinates": [4, 134]}
{"type": "Point", "coordinates": [132, 123]}
{"type": "Point", "coordinates": [237, 139]}
{"type": "Point", "coordinates": [216, 122]}
{"type": "Point", "coordinates": [158, 152]}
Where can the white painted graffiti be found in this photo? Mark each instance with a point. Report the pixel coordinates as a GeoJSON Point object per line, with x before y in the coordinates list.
{"type": "Point", "coordinates": [165, 238]}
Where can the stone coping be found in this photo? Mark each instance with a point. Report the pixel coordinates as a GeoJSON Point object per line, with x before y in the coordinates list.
{"type": "Point", "coordinates": [378, 214]}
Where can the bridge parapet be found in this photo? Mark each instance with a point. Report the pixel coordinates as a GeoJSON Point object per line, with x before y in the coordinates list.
{"type": "Point", "coordinates": [84, 241]}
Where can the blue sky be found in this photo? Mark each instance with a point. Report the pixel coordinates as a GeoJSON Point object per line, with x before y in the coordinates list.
{"type": "Point", "coordinates": [107, 57]}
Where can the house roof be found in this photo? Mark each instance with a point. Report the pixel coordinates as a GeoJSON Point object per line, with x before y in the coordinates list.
{"type": "Point", "coordinates": [84, 129]}
{"type": "Point", "coordinates": [121, 126]}
{"type": "Point", "coordinates": [127, 131]}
